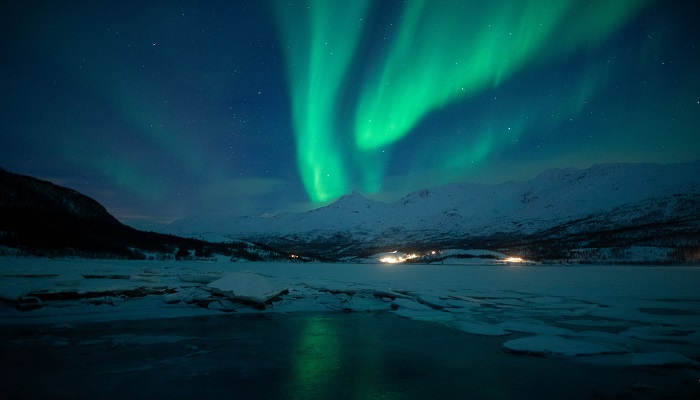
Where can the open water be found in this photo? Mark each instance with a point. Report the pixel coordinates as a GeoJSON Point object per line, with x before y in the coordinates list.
{"type": "Point", "coordinates": [301, 356]}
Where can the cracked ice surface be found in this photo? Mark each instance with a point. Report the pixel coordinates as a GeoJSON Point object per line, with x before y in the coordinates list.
{"type": "Point", "coordinates": [612, 314]}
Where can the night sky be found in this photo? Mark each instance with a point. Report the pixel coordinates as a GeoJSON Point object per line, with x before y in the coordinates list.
{"type": "Point", "coordinates": [167, 109]}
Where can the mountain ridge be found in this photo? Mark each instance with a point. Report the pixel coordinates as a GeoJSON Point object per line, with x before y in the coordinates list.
{"type": "Point", "coordinates": [470, 214]}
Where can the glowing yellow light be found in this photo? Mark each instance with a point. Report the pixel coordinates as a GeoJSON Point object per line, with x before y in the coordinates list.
{"type": "Point", "coordinates": [398, 258]}
{"type": "Point", "coordinates": [513, 260]}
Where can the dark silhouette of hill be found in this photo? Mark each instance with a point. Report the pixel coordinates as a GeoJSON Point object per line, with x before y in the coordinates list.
{"type": "Point", "coordinates": [40, 218]}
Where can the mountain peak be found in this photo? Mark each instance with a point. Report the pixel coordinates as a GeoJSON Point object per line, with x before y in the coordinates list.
{"type": "Point", "coordinates": [353, 196]}
{"type": "Point", "coordinates": [353, 200]}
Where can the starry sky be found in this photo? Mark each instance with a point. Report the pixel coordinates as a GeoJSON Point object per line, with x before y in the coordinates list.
{"type": "Point", "coordinates": [167, 109]}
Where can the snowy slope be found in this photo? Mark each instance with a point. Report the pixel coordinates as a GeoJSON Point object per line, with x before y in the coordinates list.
{"type": "Point", "coordinates": [466, 210]}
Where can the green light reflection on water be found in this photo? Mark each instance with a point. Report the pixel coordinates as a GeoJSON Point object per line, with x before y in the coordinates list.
{"type": "Point", "coordinates": [317, 359]}
{"type": "Point", "coordinates": [326, 357]}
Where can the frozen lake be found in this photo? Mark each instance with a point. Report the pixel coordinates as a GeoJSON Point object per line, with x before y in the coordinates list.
{"type": "Point", "coordinates": [115, 329]}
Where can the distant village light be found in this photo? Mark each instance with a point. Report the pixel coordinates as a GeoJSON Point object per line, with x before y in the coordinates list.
{"type": "Point", "coordinates": [397, 257]}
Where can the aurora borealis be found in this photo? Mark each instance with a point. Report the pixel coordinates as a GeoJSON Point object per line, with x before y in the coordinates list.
{"type": "Point", "coordinates": [440, 53]}
{"type": "Point", "coordinates": [321, 41]}
{"type": "Point", "coordinates": [164, 110]}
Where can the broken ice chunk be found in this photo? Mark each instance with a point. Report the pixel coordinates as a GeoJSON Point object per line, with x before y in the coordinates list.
{"type": "Point", "coordinates": [247, 286]}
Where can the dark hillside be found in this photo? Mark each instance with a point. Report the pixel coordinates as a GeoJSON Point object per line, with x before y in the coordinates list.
{"type": "Point", "coordinates": [40, 218]}
{"type": "Point", "coordinates": [30, 195]}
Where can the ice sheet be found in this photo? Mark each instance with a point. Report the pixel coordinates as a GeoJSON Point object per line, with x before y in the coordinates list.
{"type": "Point", "coordinates": [565, 311]}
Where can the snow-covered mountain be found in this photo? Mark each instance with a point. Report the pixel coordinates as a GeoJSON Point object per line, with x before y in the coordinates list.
{"type": "Point", "coordinates": [613, 201]}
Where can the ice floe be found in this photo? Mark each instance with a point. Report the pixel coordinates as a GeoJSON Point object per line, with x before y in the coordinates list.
{"type": "Point", "coordinates": [247, 286]}
{"type": "Point", "coordinates": [556, 346]}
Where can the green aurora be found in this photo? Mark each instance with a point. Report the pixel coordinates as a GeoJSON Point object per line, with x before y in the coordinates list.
{"type": "Point", "coordinates": [441, 52]}
{"type": "Point", "coordinates": [320, 45]}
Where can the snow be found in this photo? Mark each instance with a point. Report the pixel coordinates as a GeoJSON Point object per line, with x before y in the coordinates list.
{"type": "Point", "coordinates": [247, 286]}
{"type": "Point", "coordinates": [623, 192]}
{"type": "Point", "coordinates": [619, 315]}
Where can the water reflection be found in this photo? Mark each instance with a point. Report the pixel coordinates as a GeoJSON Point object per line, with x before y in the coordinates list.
{"type": "Point", "coordinates": [324, 361]}
{"type": "Point", "coordinates": [316, 359]}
